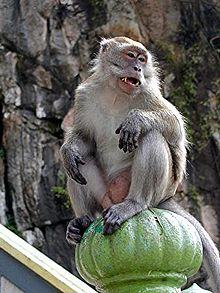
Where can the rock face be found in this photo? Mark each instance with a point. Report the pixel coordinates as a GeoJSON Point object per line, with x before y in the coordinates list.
{"type": "Point", "coordinates": [45, 51]}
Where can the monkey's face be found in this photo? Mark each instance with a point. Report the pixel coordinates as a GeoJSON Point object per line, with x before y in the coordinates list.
{"type": "Point", "coordinates": [125, 64]}
{"type": "Point", "coordinates": [131, 76]}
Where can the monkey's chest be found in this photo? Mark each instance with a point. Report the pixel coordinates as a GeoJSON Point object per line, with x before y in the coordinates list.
{"type": "Point", "coordinates": [108, 153]}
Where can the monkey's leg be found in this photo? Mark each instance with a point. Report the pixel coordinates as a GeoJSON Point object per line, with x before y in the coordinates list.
{"type": "Point", "coordinates": [150, 179]}
{"type": "Point", "coordinates": [85, 199]}
{"type": "Point", "coordinates": [211, 253]}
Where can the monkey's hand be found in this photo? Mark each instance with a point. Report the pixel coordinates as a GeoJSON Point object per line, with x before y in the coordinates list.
{"type": "Point", "coordinates": [118, 214]}
{"type": "Point", "coordinates": [71, 161]}
{"type": "Point", "coordinates": [130, 130]}
{"type": "Point", "coordinates": [76, 229]}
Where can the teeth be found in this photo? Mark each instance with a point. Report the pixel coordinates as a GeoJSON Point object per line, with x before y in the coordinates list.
{"type": "Point", "coordinates": [124, 79]}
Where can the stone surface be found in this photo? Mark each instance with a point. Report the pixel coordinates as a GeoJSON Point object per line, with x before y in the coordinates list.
{"type": "Point", "coordinates": [3, 206]}
{"type": "Point", "coordinates": [34, 237]}
{"type": "Point", "coordinates": [22, 27]}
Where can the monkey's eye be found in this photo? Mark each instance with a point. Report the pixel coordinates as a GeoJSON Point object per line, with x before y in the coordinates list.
{"type": "Point", "coordinates": [131, 54]}
{"type": "Point", "coordinates": [142, 59]}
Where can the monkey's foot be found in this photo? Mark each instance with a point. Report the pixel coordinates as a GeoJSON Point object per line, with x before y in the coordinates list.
{"type": "Point", "coordinates": [76, 229]}
{"type": "Point", "coordinates": [114, 217]}
{"type": "Point", "coordinates": [119, 213]}
{"type": "Point", "coordinates": [112, 220]}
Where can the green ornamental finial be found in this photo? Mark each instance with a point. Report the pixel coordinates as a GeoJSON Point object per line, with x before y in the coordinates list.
{"type": "Point", "coordinates": [154, 252]}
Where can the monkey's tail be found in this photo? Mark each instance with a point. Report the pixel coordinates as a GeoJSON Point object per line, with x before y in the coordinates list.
{"type": "Point", "coordinates": [211, 253]}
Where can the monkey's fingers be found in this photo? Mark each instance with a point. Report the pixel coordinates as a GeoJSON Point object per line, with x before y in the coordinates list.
{"type": "Point", "coordinates": [131, 144]}
{"type": "Point", "coordinates": [73, 238]}
{"type": "Point", "coordinates": [79, 224]}
{"type": "Point", "coordinates": [73, 230]}
{"type": "Point", "coordinates": [73, 233]}
{"type": "Point", "coordinates": [117, 131]}
{"type": "Point", "coordinates": [124, 136]}
{"type": "Point", "coordinates": [85, 221]}
{"type": "Point", "coordinates": [112, 222]}
{"type": "Point", "coordinates": [76, 175]}
{"type": "Point", "coordinates": [109, 216]}
{"type": "Point", "coordinates": [125, 141]}
{"type": "Point", "coordinates": [110, 227]}
{"type": "Point", "coordinates": [135, 138]}
{"type": "Point", "coordinates": [80, 160]}
{"type": "Point", "coordinates": [104, 212]}
{"type": "Point", "coordinates": [121, 143]}
{"type": "Point", "coordinates": [79, 178]}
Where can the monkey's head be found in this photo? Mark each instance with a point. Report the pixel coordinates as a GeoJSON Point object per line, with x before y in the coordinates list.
{"type": "Point", "coordinates": [125, 63]}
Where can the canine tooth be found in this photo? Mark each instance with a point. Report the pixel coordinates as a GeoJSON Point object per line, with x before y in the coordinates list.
{"type": "Point", "coordinates": [125, 79]}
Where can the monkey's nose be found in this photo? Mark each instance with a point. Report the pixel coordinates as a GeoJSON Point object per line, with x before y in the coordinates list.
{"type": "Point", "coordinates": [137, 68]}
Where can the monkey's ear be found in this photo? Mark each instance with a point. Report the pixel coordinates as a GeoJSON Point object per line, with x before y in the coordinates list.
{"type": "Point", "coordinates": [104, 44]}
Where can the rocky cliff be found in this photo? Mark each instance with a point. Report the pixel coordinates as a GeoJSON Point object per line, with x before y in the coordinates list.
{"type": "Point", "coordinates": [45, 50]}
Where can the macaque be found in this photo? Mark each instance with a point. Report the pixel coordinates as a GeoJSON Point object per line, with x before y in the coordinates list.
{"type": "Point", "coordinates": [126, 151]}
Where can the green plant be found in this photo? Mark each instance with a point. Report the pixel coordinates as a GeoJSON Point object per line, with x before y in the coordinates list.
{"type": "Point", "coordinates": [194, 197]}
{"type": "Point", "coordinates": [11, 225]}
{"type": "Point", "coordinates": [2, 152]}
{"type": "Point", "coordinates": [62, 193]}
{"type": "Point", "coordinates": [196, 108]}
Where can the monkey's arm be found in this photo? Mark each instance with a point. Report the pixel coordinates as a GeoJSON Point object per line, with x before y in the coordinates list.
{"type": "Point", "coordinates": [152, 168]}
{"type": "Point", "coordinates": [211, 254]}
{"type": "Point", "coordinates": [138, 122]}
{"type": "Point", "coordinates": [75, 148]}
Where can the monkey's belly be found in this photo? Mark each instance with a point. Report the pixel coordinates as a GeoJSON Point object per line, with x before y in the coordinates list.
{"type": "Point", "coordinates": [116, 166]}
{"type": "Point", "coordinates": [114, 162]}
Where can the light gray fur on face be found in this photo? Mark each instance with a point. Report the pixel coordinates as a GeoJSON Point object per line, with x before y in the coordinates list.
{"type": "Point", "coordinates": [115, 131]}
{"type": "Point", "coordinates": [109, 53]}
{"type": "Point", "coordinates": [109, 63]}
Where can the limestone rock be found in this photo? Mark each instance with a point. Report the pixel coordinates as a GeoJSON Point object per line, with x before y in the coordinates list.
{"type": "Point", "coordinates": [22, 27]}
{"type": "Point", "coordinates": [33, 160]}
{"type": "Point", "coordinates": [3, 207]}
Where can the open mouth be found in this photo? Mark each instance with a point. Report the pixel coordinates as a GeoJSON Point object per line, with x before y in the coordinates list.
{"type": "Point", "coordinates": [131, 80]}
